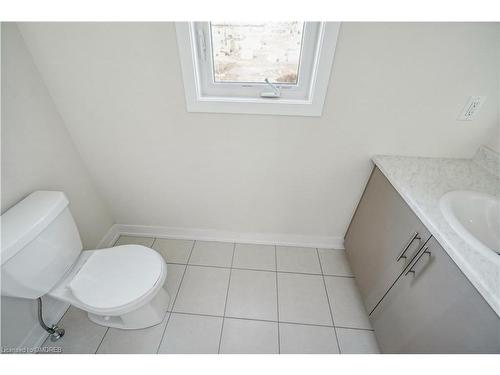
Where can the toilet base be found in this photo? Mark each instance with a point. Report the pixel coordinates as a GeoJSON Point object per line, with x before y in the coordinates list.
{"type": "Point", "coordinates": [148, 315]}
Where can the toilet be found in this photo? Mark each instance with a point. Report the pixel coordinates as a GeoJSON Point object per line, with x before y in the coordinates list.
{"type": "Point", "coordinates": [41, 254]}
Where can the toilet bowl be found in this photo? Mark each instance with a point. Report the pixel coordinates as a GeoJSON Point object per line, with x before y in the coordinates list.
{"type": "Point", "coordinates": [120, 287]}
{"type": "Point", "coordinates": [41, 254]}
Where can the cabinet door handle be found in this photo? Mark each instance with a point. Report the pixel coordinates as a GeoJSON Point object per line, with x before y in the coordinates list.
{"type": "Point", "coordinates": [414, 237]}
{"type": "Point", "coordinates": [410, 268]}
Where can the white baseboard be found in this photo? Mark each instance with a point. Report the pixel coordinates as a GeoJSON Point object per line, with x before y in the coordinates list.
{"type": "Point", "coordinates": [110, 237]}
{"type": "Point", "coordinates": [331, 242]}
{"type": "Point", "coordinates": [53, 311]}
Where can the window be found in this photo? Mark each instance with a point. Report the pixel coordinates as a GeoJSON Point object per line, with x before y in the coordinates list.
{"type": "Point", "coordinates": [250, 53]}
{"type": "Point", "coordinates": [259, 67]}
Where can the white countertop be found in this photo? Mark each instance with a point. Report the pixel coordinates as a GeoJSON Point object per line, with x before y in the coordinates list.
{"type": "Point", "coordinates": [422, 181]}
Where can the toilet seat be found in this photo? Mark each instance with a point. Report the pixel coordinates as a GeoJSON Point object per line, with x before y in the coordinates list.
{"type": "Point", "coordinates": [113, 281]}
{"type": "Point", "coordinates": [113, 278]}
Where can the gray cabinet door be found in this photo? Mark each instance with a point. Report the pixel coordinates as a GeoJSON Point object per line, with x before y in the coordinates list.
{"type": "Point", "coordinates": [381, 228]}
{"type": "Point", "coordinates": [435, 310]}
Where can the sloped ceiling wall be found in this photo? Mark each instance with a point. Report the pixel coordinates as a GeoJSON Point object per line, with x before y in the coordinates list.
{"type": "Point", "coordinates": [39, 154]}
{"type": "Point", "coordinates": [394, 89]}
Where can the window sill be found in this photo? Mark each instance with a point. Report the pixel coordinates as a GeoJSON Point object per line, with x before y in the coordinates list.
{"type": "Point", "coordinates": [285, 107]}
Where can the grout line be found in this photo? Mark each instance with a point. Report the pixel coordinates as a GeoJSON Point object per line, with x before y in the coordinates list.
{"type": "Point", "coordinates": [227, 295]}
{"type": "Point", "coordinates": [167, 316]}
{"type": "Point", "coordinates": [257, 269]}
{"type": "Point", "coordinates": [357, 329]}
{"type": "Point", "coordinates": [103, 336]}
{"type": "Point", "coordinates": [315, 274]}
{"type": "Point", "coordinates": [329, 304]}
{"type": "Point", "coordinates": [307, 324]}
{"type": "Point", "coordinates": [163, 333]}
{"type": "Point", "coordinates": [175, 298]}
{"type": "Point", "coordinates": [270, 321]}
{"type": "Point", "coordinates": [164, 329]}
{"type": "Point", "coordinates": [300, 273]}
{"type": "Point", "coordinates": [344, 276]}
{"type": "Point", "coordinates": [263, 270]}
{"type": "Point", "coordinates": [206, 265]}
{"type": "Point", "coordinates": [197, 314]}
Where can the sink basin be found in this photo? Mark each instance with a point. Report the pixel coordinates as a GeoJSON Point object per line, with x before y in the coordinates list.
{"type": "Point", "coordinates": [475, 217]}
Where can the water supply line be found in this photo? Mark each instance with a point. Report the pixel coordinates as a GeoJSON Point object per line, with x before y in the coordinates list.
{"type": "Point", "coordinates": [54, 331]}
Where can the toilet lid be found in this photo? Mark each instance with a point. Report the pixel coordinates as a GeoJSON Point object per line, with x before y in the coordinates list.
{"type": "Point", "coordinates": [117, 276]}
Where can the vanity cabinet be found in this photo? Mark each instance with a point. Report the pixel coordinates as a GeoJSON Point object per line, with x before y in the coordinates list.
{"type": "Point", "coordinates": [433, 308]}
{"type": "Point", "coordinates": [421, 302]}
{"type": "Point", "coordinates": [383, 237]}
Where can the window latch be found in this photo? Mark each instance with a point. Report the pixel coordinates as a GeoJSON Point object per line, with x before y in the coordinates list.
{"type": "Point", "coordinates": [276, 93]}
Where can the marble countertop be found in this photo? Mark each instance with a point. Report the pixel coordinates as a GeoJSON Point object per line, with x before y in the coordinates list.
{"type": "Point", "coordinates": [422, 181]}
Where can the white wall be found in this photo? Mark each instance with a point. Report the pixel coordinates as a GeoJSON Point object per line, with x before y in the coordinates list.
{"type": "Point", "coordinates": [494, 143]}
{"type": "Point", "coordinates": [37, 154]}
{"type": "Point", "coordinates": [395, 89]}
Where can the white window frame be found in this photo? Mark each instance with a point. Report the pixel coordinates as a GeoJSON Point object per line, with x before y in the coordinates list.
{"type": "Point", "coordinates": [304, 99]}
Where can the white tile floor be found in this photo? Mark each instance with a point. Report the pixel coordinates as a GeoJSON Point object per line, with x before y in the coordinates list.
{"type": "Point", "coordinates": [236, 298]}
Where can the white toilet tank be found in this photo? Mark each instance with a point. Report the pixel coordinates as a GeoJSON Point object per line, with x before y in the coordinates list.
{"type": "Point", "coordinates": [40, 243]}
